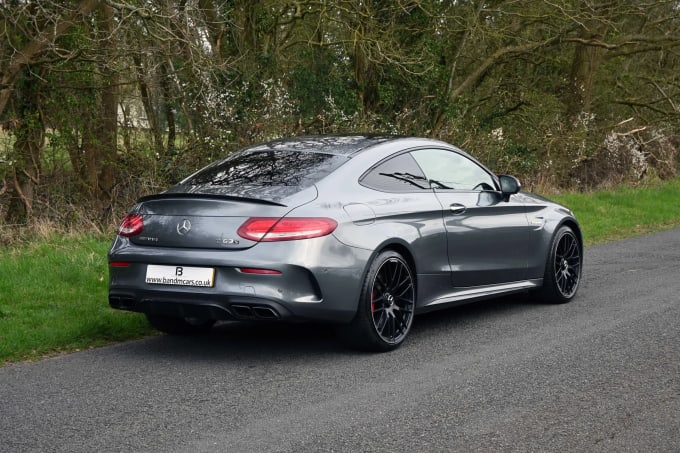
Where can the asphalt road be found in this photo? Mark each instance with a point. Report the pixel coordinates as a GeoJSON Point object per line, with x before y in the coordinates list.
{"type": "Point", "coordinates": [599, 374]}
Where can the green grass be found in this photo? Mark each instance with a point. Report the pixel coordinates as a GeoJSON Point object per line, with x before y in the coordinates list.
{"type": "Point", "coordinates": [53, 292]}
{"type": "Point", "coordinates": [53, 298]}
{"type": "Point", "coordinates": [625, 211]}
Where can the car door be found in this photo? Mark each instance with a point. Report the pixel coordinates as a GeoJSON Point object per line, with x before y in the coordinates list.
{"type": "Point", "coordinates": [487, 237]}
{"type": "Point", "coordinates": [405, 206]}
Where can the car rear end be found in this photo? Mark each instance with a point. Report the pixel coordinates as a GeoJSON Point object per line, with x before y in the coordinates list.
{"type": "Point", "coordinates": [236, 241]}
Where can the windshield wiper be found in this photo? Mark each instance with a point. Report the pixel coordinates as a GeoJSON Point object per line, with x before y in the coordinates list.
{"type": "Point", "coordinates": [439, 184]}
{"type": "Point", "coordinates": [406, 177]}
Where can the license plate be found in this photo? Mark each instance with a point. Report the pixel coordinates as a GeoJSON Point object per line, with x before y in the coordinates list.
{"type": "Point", "coordinates": [180, 275]}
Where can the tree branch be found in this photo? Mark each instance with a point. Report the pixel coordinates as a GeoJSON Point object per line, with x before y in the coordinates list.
{"type": "Point", "coordinates": [27, 54]}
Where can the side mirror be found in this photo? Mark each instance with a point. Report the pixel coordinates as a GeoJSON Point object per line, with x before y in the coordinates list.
{"type": "Point", "coordinates": [509, 186]}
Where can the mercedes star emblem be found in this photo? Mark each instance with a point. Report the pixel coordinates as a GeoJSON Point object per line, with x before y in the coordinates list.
{"type": "Point", "coordinates": [183, 227]}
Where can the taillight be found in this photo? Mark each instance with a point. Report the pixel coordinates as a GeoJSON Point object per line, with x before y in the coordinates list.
{"type": "Point", "coordinates": [271, 229]}
{"type": "Point", "coordinates": [131, 225]}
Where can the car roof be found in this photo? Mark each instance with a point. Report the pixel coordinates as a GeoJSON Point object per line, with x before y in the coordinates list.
{"type": "Point", "coordinates": [343, 145]}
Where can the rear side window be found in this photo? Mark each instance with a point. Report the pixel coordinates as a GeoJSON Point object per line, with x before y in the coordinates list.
{"type": "Point", "coordinates": [290, 170]}
{"type": "Point", "coordinates": [398, 174]}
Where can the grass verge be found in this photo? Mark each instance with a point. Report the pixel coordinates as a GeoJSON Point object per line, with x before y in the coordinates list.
{"type": "Point", "coordinates": [53, 298]}
{"type": "Point", "coordinates": [626, 211]}
{"type": "Point", "coordinates": [53, 291]}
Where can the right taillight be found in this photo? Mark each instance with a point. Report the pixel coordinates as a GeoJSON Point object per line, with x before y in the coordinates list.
{"type": "Point", "coordinates": [272, 229]}
{"type": "Point", "coordinates": [131, 225]}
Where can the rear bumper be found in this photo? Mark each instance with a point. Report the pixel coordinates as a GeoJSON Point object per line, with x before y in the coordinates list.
{"type": "Point", "coordinates": [319, 280]}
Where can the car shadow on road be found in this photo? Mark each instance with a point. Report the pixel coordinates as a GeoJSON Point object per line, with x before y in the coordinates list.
{"type": "Point", "coordinates": [290, 340]}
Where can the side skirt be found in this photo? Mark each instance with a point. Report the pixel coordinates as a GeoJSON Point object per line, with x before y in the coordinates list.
{"type": "Point", "coordinates": [462, 296]}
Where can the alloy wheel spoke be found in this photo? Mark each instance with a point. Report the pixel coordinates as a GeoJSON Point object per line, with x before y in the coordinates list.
{"type": "Point", "coordinates": [406, 284]}
{"type": "Point", "coordinates": [379, 285]}
{"type": "Point", "coordinates": [403, 303]}
{"type": "Point", "coordinates": [573, 248]}
{"type": "Point", "coordinates": [395, 274]}
{"type": "Point", "coordinates": [393, 327]}
{"type": "Point", "coordinates": [403, 322]}
{"type": "Point", "coordinates": [380, 299]}
{"type": "Point", "coordinates": [382, 322]}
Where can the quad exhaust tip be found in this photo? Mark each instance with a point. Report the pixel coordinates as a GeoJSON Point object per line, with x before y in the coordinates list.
{"type": "Point", "coordinates": [254, 312]}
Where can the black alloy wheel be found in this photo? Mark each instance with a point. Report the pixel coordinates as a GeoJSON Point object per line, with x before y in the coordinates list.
{"type": "Point", "coordinates": [563, 268]}
{"type": "Point", "coordinates": [567, 264]}
{"type": "Point", "coordinates": [386, 306]}
{"type": "Point", "coordinates": [392, 298]}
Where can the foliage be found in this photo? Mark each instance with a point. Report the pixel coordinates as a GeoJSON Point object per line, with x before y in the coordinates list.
{"type": "Point", "coordinates": [103, 101]}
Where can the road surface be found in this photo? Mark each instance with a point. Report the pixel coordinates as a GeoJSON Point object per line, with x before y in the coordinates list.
{"type": "Point", "coordinates": [599, 374]}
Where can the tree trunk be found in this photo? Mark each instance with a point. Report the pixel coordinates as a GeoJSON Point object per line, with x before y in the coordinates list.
{"type": "Point", "coordinates": [586, 60]}
{"type": "Point", "coordinates": [30, 137]}
{"type": "Point", "coordinates": [215, 26]}
{"type": "Point", "coordinates": [366, 78]}
{"type": "Point", "coordinates": [97, 155]}
{"type": "Point", "coordinates": [107, 131]}
{"type": "Point", "coordinates": [169, 109]}
{"type": "Point", "coordinates": [147, 102]}
{"type": "Point", "coordinates": [460, 44]}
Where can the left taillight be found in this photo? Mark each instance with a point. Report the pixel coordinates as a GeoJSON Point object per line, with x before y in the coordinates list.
{"type": "Point", "coordinates": [131, 225]}
{"type": "Point", "coordinates": [272, 229]}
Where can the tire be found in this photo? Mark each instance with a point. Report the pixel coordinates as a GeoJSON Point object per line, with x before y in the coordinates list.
{"type": "Point", "coordinates": [386, 306]}
{"type": "Point", "coordinates": [562, 269]}
{"type": "Point", "coordinates": [179, 326]}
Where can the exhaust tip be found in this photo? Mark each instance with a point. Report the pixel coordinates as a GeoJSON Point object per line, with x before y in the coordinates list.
{"type": "Point", "coordinates": [265, 313]}
{"type": "Point", "coordinates": [242, 311]}
{"type": "Point", "coordinates": [254, 312]}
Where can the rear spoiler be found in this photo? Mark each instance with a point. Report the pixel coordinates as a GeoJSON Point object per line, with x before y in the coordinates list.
{"type": "Point", "coordinates": [210, 196]}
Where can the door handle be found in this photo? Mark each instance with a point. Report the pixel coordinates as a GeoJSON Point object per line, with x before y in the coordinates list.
{"type": "Point", "coordinates": [457, 208]}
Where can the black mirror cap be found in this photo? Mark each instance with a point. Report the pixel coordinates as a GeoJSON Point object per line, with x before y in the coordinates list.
{"type": "Point", "coordinates": [509, 186]}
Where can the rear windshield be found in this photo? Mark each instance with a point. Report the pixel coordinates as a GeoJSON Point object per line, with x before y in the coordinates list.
{"type": "Point", "coordinates": [262, 174]}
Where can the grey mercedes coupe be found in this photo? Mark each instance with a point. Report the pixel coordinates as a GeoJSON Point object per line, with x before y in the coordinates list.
{"type": "Point", "coordinates": [360, 231]}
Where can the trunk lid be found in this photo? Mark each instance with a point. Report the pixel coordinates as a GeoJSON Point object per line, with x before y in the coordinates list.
{"type": "Point", "coordinates": [203, 221]}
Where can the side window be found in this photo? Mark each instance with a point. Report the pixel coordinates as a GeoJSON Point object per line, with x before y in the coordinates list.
{"type": "Point", "coordinates": [449, 170]}
{"type": "Point", "coordinates": [398, 174]}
